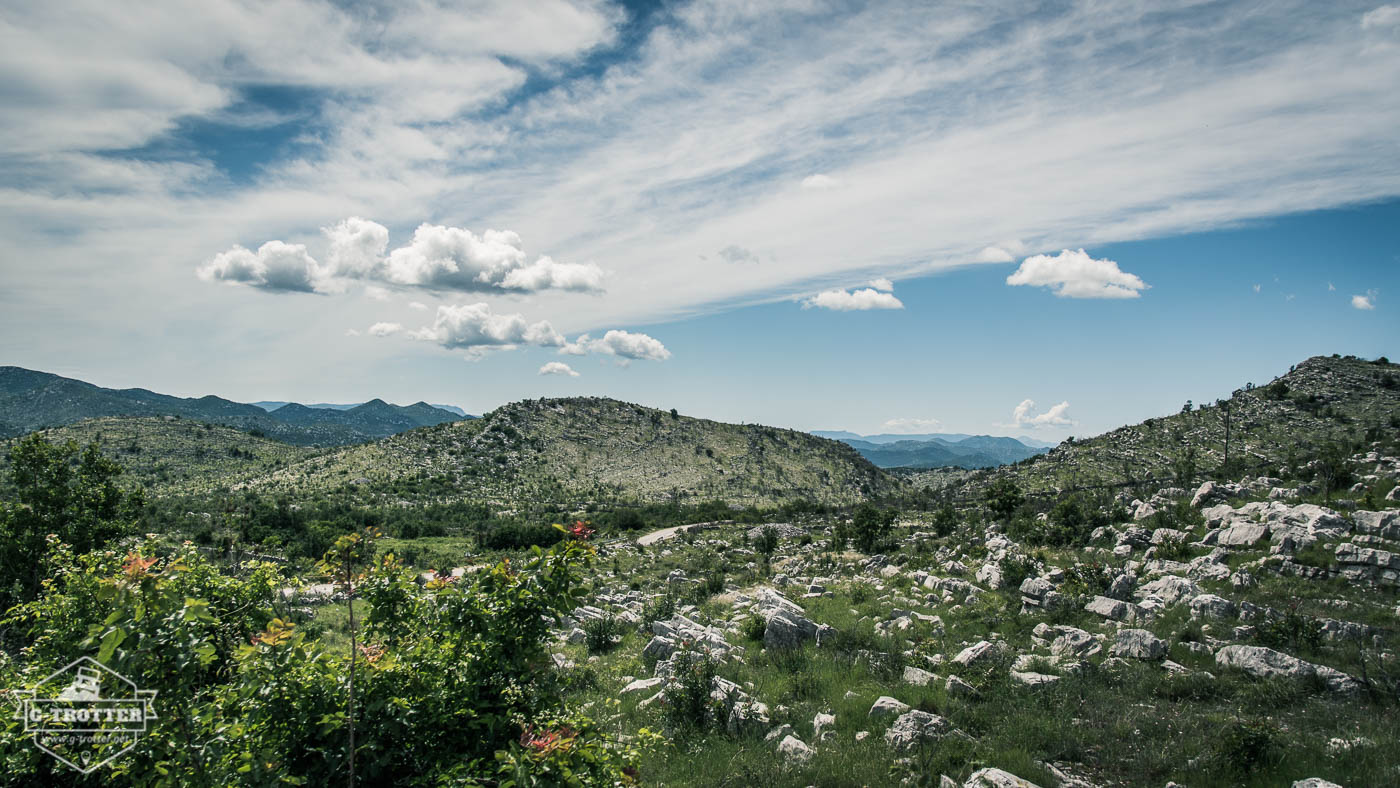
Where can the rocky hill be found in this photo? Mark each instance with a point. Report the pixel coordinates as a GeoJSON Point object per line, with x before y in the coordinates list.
{"type": "Point", "coordinates": [31, 400]}
{"type": "Point", "coordinates": [591, 449]}
{"type": "Point", "coordinates": [1274, 428]}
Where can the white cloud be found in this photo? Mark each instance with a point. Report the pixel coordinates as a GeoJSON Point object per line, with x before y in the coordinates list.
{"type": "Point", "coordinates": [1381, 17]}
{"type": "Point", "coordinates": [558, 368]}
{"type": "Point", "coordinates": [630, 346]}
{"type": "Point", "coordinates": [1256, 288]}
{"type": "Point", "coordinates": [910, 426]}
{"type": "Point", "coordinates": [845, 301]}
{"type": "Point", "coordinates": [882, 284]}
{"type": "Point", "coordinates": [1003, 252]}
{"type": "Point", "coordinates": [471, 326]}
{"type": "Point", "coordinates": [418, 305]}
{"type": "Point", "coordinates": [385, 329]}
{"type": "Point", "coordinates": [820, 181]}
{"type": "Point", "coordinates": [995, 254]}
{"type": "Point", "coordinates": [1023, 416]}
{"type": "Point", "coordinates": [943, 122]}
{"type": "Point", "coordinates": [350, 332]}
{"type": "Point", "coordinates": [276, 266]}
{"type": "Point", "coordinates": [1366, 302]}
{"type": "Point", "coordinates": [438, 258]}
{"type": "Point", "coordinates": [1074, 274]}
{"type": "Point", "coordinates": [1331, 288]}
{"type": "Point", "coordinates": [356, 247]}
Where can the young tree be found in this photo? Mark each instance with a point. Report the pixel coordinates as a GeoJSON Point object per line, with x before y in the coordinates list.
{"type": "Point", "coordinates": [767, 542]}
{"type": "Point", "coordinates": [871, 526]}
{"type": "Point", "coordinates": [1004, 498]}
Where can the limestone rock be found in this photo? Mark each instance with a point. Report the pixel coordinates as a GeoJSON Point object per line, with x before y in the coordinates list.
{"type": "Point", "coordinates": [914, 728]}
{"type": "Point", "coordinates": [1138, 644]}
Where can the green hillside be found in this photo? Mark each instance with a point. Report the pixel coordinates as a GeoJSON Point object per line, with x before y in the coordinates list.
{"type": "Point", "coordinates": [166, 454]}
{"type": "Point", "coordinates": [590, 449]}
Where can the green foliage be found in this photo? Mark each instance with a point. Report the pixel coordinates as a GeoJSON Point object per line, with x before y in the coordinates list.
{"type": "Point", "coordinates": [602, 634]}
{"type": "Point", "coordinates": [1246, 745]}
{"type": "Point", "coordinates": [1333, 468]}
{"type": "Point", "coordinates": [945, 520]}
{"type": "Point", "coordinates": [1004, 497]}
{"type": "Point", "coordinates": [689, 706]}
{"type": "Point", "coordinates": [1291, 630]}
{"type": "Point", "coordinates": [63, 492]}
{"type": "Point", "coordinates": [871, 527]}
{"type": "Point", "coordinates": [766, 542]}
{"type": "Point", "coordinates": [753, 627]}
{"type": "Point", "coordinates": [442, 682]}
{"type": "Point", "coordinates": [571, 749]}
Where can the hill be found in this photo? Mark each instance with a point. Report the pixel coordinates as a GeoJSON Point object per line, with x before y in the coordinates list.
{"type": "Point", "coordinates": [936, 451]}
{"type": "Point", "coordinates": [169, 454]}
{"type": "Point", "coordinates": [1275, 429]}
{"type": "Point", "coordinates": [591, 449]}
{"type": "Point", "coordinates": [31, 400]}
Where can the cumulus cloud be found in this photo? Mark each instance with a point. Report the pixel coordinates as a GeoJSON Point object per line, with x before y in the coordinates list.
{"type": "Point", "coordinates": [847, 301]}
{"type": "Point", "coordinates": [455, 258]}
{"type": "Point", "coordinates": [558, 368]}
{"type": "Point", "coordinates": [437, 258]}
{"type": "Point", "coordinates": [1024, 416]}
{"type": "Point", "coordinates": [276, 266]}
{"type": "Point", "coordinates": [356, 247]}
{"type": "Point", "coordinates": [475, 326]}
{"type": "Point", "coordinates": [1365, 302]}
{"type": "Point", "coordinates": [629, 345]}
{"type": "Point", "coordinates": [418, 305]}
{"type": "Point", "coordinates": [1074, 274]}
{"type": "Point", "coordinates": [624, 344]}
{"type": "Point", "coordinates": [385, 329]}
{"type": "Point", "coordinates": [907, 426]}
{"type": "Point", "coordinates": [882, 284]}
{"type": "Point", "coordinates": [820, 181]}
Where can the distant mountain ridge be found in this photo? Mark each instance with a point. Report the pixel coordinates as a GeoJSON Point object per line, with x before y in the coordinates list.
{"type": "Point", "coordinates": [30, 400]}
{"type": "Point", "coordinates": [935, 450]}
{"type": "Point", "coordinates": [271, 405]}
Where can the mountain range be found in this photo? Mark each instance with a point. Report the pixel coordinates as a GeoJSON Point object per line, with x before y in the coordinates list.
{"type": "Point", "coordinates": [937, 450]}
{"type": "Point", "coordinates": [31, 400]}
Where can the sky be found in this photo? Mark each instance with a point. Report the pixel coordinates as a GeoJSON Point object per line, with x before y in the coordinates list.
{"type": "Point", "coordinates": [1043, 219]}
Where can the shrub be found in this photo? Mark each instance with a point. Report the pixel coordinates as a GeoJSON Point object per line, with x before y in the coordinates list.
{"type": "Point", "coordinates": [688, 705]}
{"type": "Point", "coordinates": [754, 626]}
{"type": "Point", "coordinates": [871, 527]}
{"type": "Point", "coordinates": [601, 635]}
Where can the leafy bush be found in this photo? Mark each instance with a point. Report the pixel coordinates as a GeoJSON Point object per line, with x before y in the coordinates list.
{"type": "Point", "coordinates": [441, 675]}
{"type": "Point", "coordinates": [688, 705]}
{"type": "Point", "coordinates": [753, 627]}
{"type": "Point", "coordinates": [601, 635]}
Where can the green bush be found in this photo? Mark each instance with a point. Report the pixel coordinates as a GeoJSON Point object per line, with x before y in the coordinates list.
{"type": "Point", "coordinates": [601, 635]}
{"type": "Point", "coordinates": [688, 705]}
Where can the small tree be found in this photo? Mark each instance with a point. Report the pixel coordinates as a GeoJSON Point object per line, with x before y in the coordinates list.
{"type": "Point", "coordinates": [1004, 497]}
{"type": "Point", "coordinates": [1333, 469]}
{"type": "Point", "coordinates": [767, 542]}
{"type": "Point", "coordinates": [871, 527]}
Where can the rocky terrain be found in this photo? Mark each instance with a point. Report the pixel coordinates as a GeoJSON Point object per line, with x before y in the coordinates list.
{"type": "Point", "coordinates": [590, 449]}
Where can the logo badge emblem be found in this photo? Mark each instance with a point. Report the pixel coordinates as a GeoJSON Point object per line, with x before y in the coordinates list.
{"type": "Point", "coordinates": [85, 714]}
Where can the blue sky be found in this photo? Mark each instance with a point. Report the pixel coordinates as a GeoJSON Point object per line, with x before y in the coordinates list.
{"type": "Point", "coordinates": [814, 215]}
